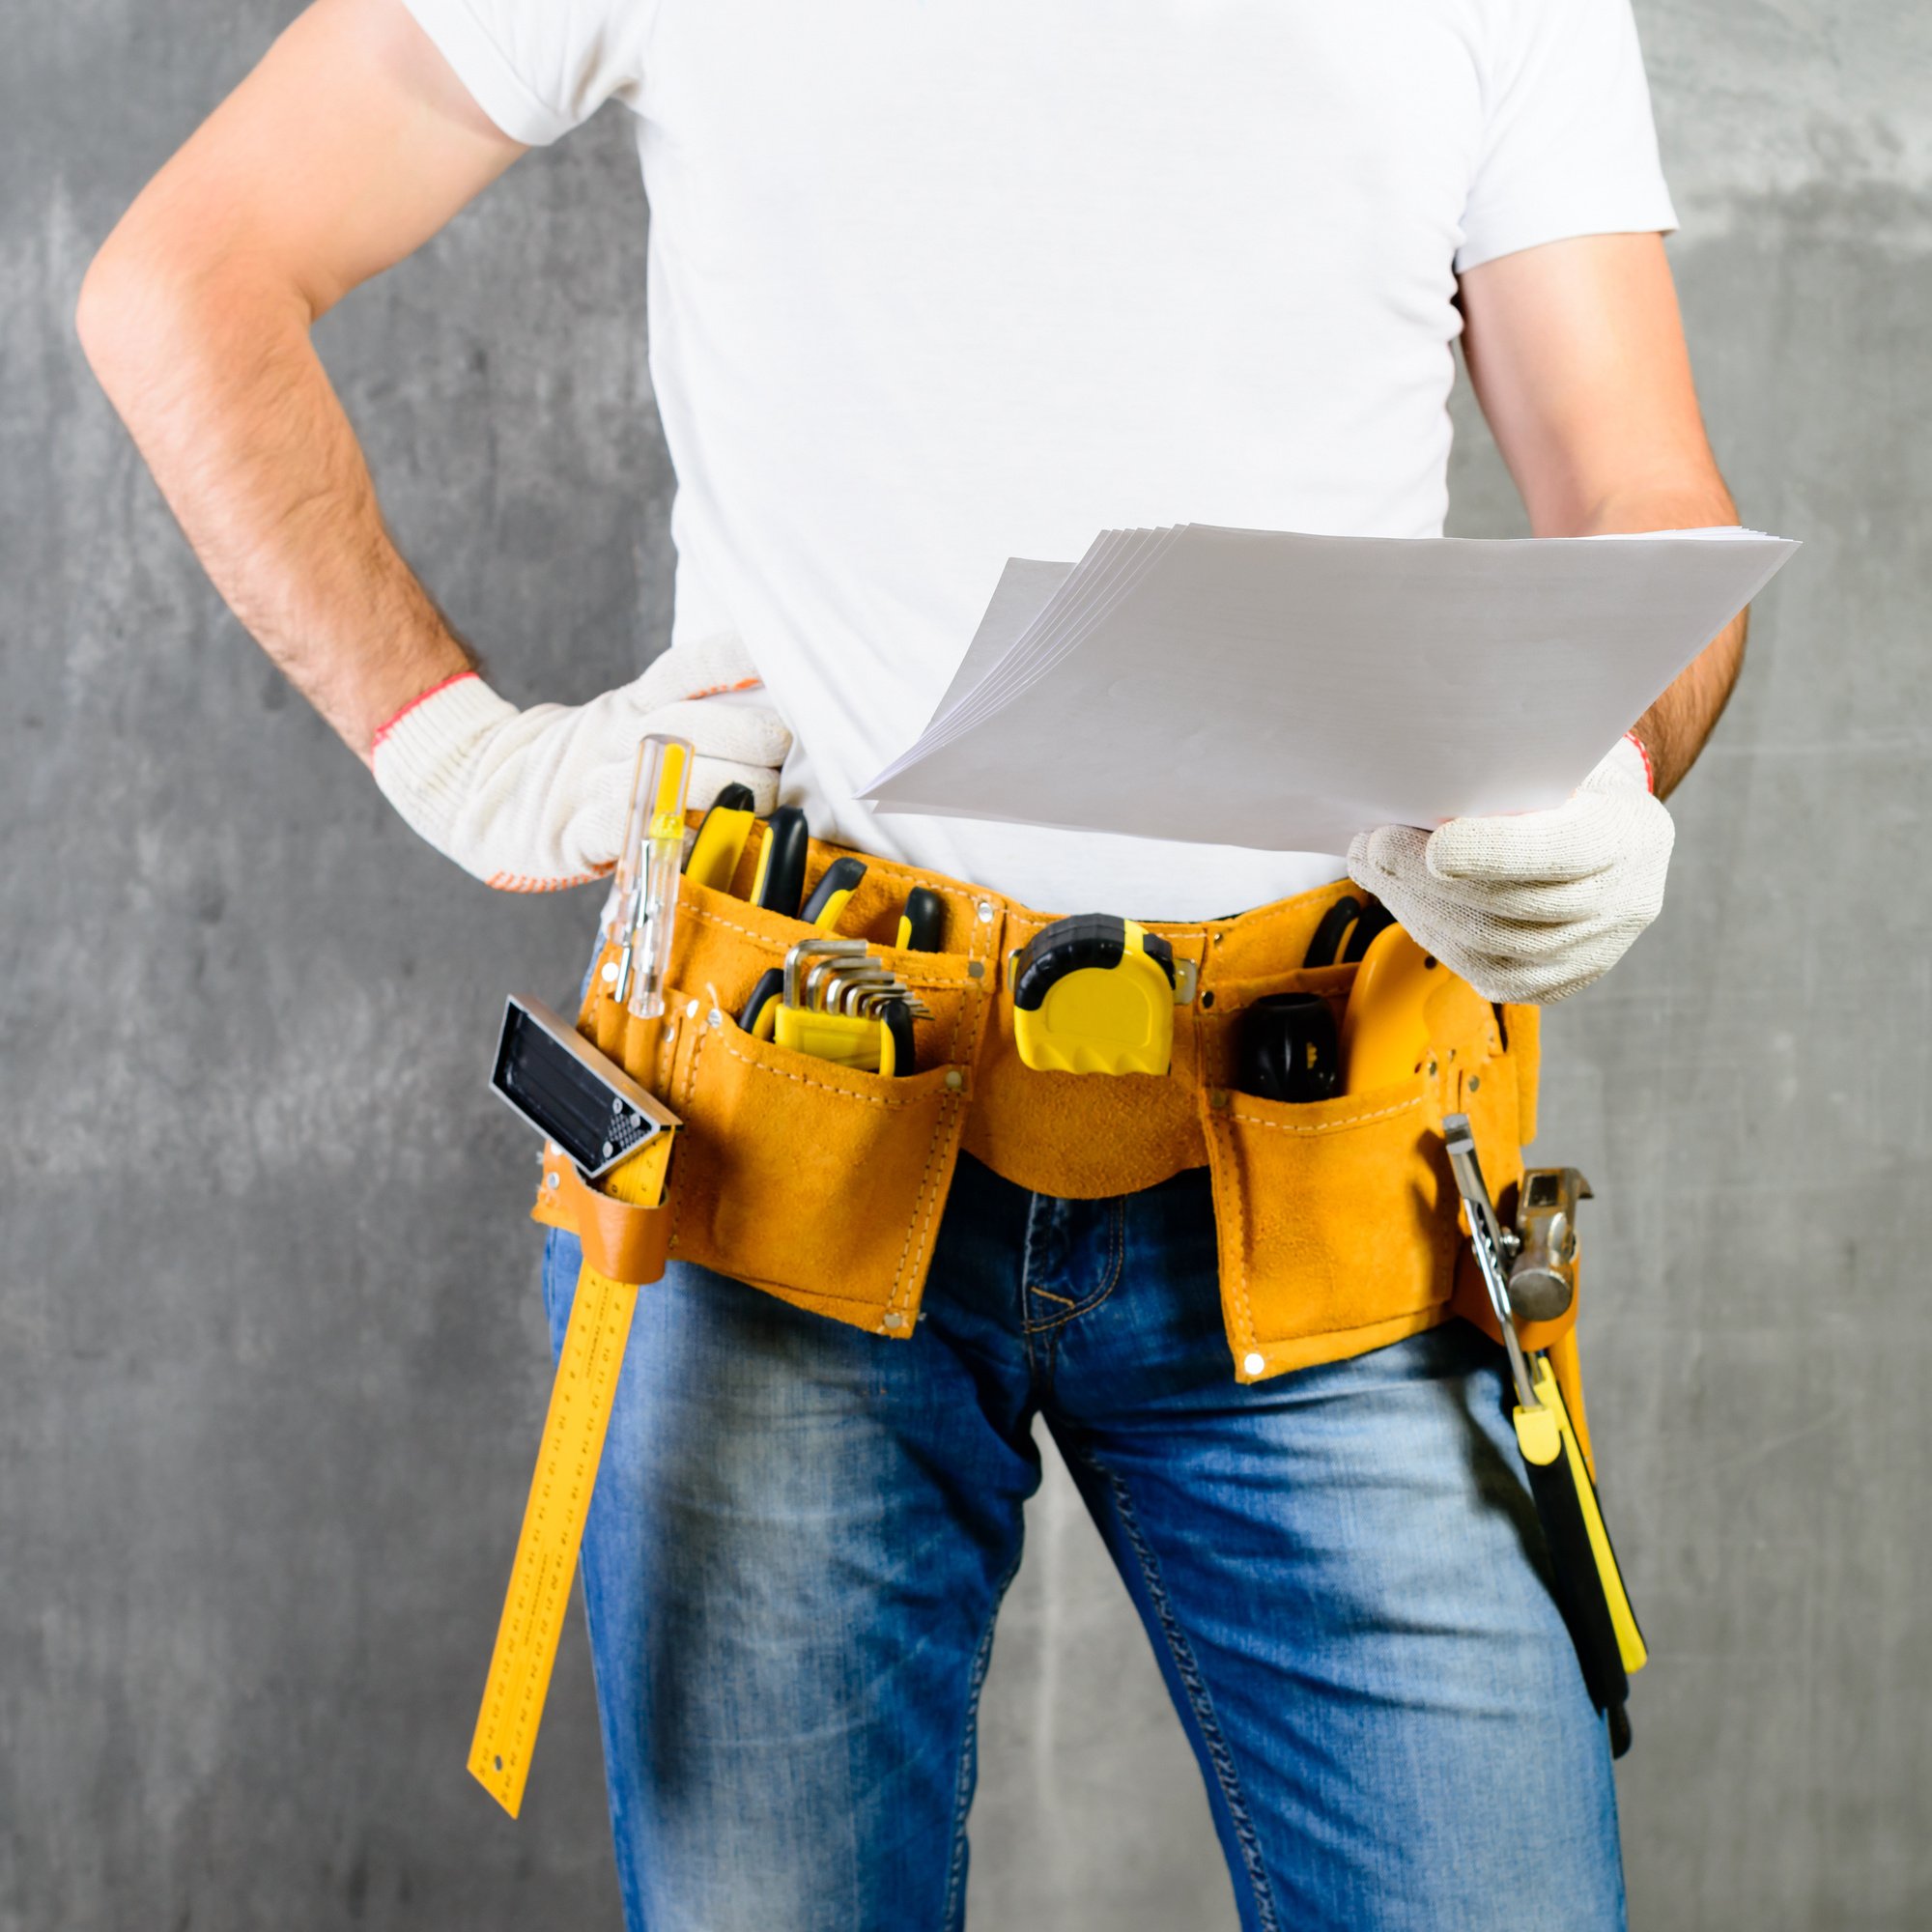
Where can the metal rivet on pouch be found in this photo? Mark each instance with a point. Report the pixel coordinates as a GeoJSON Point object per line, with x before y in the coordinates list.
{"type": "Point", "coordinates": [976, 969]}
{"type": "Point", "coordinates": [714, 1018]}
{"type": "Point", "coordinates": [895, 1320]}
{"type": "Point", "coordinates": [1253, 1364]}
{"type": "Point", "coordinates": [610, 973]}
{"type": "Point", "coordinates": [691, 1012]}
{"type": "Point", "coordinates": [1217, 1097]}
{"type": "Point", "coordinates": [955, 1079]}
{"type": "Point", "coordinates": [1432, 1070]}
{"type": "Point", "coordinates": [985, 912]}
{"type": "Point", "coordinates": [553, 1181]}
{"type": "Point", "coordinates": [1475, 1081]}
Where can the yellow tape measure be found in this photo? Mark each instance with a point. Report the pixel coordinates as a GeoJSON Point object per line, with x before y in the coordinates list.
{"type": "Point", "coordinates": [580, 1400]}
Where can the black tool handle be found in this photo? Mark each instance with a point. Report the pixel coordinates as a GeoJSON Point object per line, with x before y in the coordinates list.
{"type": "Point", "coordinates": [843, 876]}
{"type": "Point", "coordinates": [898, 1017]}
{"type": "Point", "coordinates": [779, 885]}
{"type": "Point", "coordinates": [1287, 1049]}
{"type": "Point", "coordinates": [770, 987]}
{"type": "Point", "coordinates": [1580, 1593]}
{"type": "Point", "coordinates": [923, 922]}
{"type": "Point", "coordinates": [733, 797]}
{"type": "Point", "coordinates": [1326, 947]}
{"type": "Point", "coordinates": [1376, 919]}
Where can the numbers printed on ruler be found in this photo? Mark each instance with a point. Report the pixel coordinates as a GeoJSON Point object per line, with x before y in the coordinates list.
{"type": "Point", "coordinates": [546, 1561]}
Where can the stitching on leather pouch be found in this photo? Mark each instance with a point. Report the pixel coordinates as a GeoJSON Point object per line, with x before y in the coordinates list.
{"type": "Point", "coordinates": [783, 1074]}
{"type": "Point", "coordinates": [667, 1038]}
{"type": "Point", "coordinates": [903, 1276]}
{"type": "Point", "coordinates": [1325, 1126]}
{"type": "Point", "coordinates": [1240, 1237]}
{"type": "Point", "coordinates": [697, 1045]}
{"type": "Point", "coordinates": [937, 983]}
{"type": "Point", "coordinates": [973, 989]}
{"type": "Point", "coordinates": [1226, 1009]}
{"type": "Point", "coordinates": [952, 1105]}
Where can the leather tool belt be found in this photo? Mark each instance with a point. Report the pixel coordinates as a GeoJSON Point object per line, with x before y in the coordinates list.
{"type": "Point", "coordinates": [824, 1185]}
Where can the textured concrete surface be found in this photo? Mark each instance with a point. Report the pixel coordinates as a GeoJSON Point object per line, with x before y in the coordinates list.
{"type": "Point", "coordinates": [271, 1362]}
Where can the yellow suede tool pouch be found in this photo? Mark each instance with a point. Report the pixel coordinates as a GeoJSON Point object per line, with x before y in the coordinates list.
{"type": "Point", "coordinates": [1339, 1220]}
{"type": "Point", "coordinates": [820, 1184]}
{"type": "Point", "coordinates": [825, 1184]}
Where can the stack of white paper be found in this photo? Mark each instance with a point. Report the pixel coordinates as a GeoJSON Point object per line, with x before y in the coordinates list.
{"type": "Point", "coordinates": [1258, 688]}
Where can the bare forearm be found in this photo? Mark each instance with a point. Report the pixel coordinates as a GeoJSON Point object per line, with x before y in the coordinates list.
{"type": "Point", "coordinates": [350, 144]}
{"type": "Point", "coordinates": [1577, 351]}
{"type": "Point", "coordinates": [1674, 730]}
{"type": "Point", "coordinates": [215, 377]}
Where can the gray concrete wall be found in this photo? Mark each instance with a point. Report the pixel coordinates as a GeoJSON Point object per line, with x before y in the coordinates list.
{"type": "Point", "coordinates": [271, 1361]}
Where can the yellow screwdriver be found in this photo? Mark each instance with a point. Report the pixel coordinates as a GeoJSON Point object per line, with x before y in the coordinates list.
{"type": "Point", "coordinates": [648, 873]}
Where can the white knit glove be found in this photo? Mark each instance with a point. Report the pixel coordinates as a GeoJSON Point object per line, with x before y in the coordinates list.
{"type": "Point", "coordinates": [534, 801]}
{"type": "Point", "coordinates": [1530, 906]}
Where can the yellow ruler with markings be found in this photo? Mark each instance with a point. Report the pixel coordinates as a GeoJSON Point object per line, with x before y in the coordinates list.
{"type": "Point", "coordinates": [580, 1400]}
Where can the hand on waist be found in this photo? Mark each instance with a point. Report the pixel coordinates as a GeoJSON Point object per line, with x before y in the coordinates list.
{"type": "Point", "coordinates": [535, 800]}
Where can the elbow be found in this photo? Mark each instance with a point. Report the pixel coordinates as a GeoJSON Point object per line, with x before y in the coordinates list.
{"type": "Point", "coordinates": [93, 309]}
{"type": "Point", "coordinates": [106, 317]}
{"type": "Point", "coordinates": [156, 301]}
{"type": "Point", "coordinates": [147, 298]}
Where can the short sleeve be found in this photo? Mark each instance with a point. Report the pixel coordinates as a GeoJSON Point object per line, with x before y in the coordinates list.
{"type": "Point", "coordinates": [1569, 145]}
{"type": "Point", "coordinates": [540, 68]}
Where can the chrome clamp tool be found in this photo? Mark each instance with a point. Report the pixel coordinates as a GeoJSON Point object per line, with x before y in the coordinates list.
{"type": "Point", "coordinates": [1589, 1586]}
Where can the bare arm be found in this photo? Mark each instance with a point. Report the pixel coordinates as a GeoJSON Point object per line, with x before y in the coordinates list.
{"type": "Point", "coordinates": [349, 146]}
{"type": "Point", "coordinates": [1577, 358]}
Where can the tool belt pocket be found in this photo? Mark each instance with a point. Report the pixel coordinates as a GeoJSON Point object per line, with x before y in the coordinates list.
{"type": "Point", "coordinates": [820, 1184]}
{"type": "Point", "coordinates": [1337, 1219]}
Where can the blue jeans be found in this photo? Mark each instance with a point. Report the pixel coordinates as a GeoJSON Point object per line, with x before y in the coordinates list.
{"type": "Point", "coordinates": [801, 1535]}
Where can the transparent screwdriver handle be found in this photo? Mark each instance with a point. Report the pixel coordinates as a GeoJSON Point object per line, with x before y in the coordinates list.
{"type": "Point", "coordinates": [643, 898]}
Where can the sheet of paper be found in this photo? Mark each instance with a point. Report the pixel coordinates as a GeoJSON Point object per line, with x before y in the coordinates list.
{"type": "Point", "coordinates": [1264, 688]}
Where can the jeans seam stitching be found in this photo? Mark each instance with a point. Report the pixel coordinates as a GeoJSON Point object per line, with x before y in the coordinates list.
{"type": "Point", "coordinates": [1026, 1276]}
{"type": "Point", "coordinates": [1189, 1670]}
{"type": "Point", "coordinates": [1118, 1242]}
{"type": "Point", "coordinates": [983, 1658]}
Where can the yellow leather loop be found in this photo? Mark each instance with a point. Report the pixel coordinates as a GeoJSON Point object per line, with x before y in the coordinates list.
{"type": "Point", "coordinates": [623, 1240]}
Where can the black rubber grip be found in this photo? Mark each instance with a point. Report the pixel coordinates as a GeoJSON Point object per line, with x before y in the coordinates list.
{"type": "Point", "coordinates": [898, 1016]}
{"type": "Point", "coordinates": [1087, 938]}
{"type": "Point", "coordinates": [770, 987]}
{"type": "Point", "coordinates": [843, 876]}
{"type": "Point", "coordinates": [1335, 921]}
{"type": "Point", "coordinates": [780, 882]}
{"type": "Point", "coordinates": [1376, 919]}
{"type": "Point", "coordinates": [1288, 1050]}
{"type": "Point", "coordinates": [925, 916]}
{"type": "Point", "coordinates": [1579, 1589]}
{"type": "Point", "coordinates": [1071, 944]}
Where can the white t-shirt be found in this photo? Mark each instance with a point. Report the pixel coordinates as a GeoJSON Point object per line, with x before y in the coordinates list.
{"type": "Point", "coordinates": [934, 283]}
